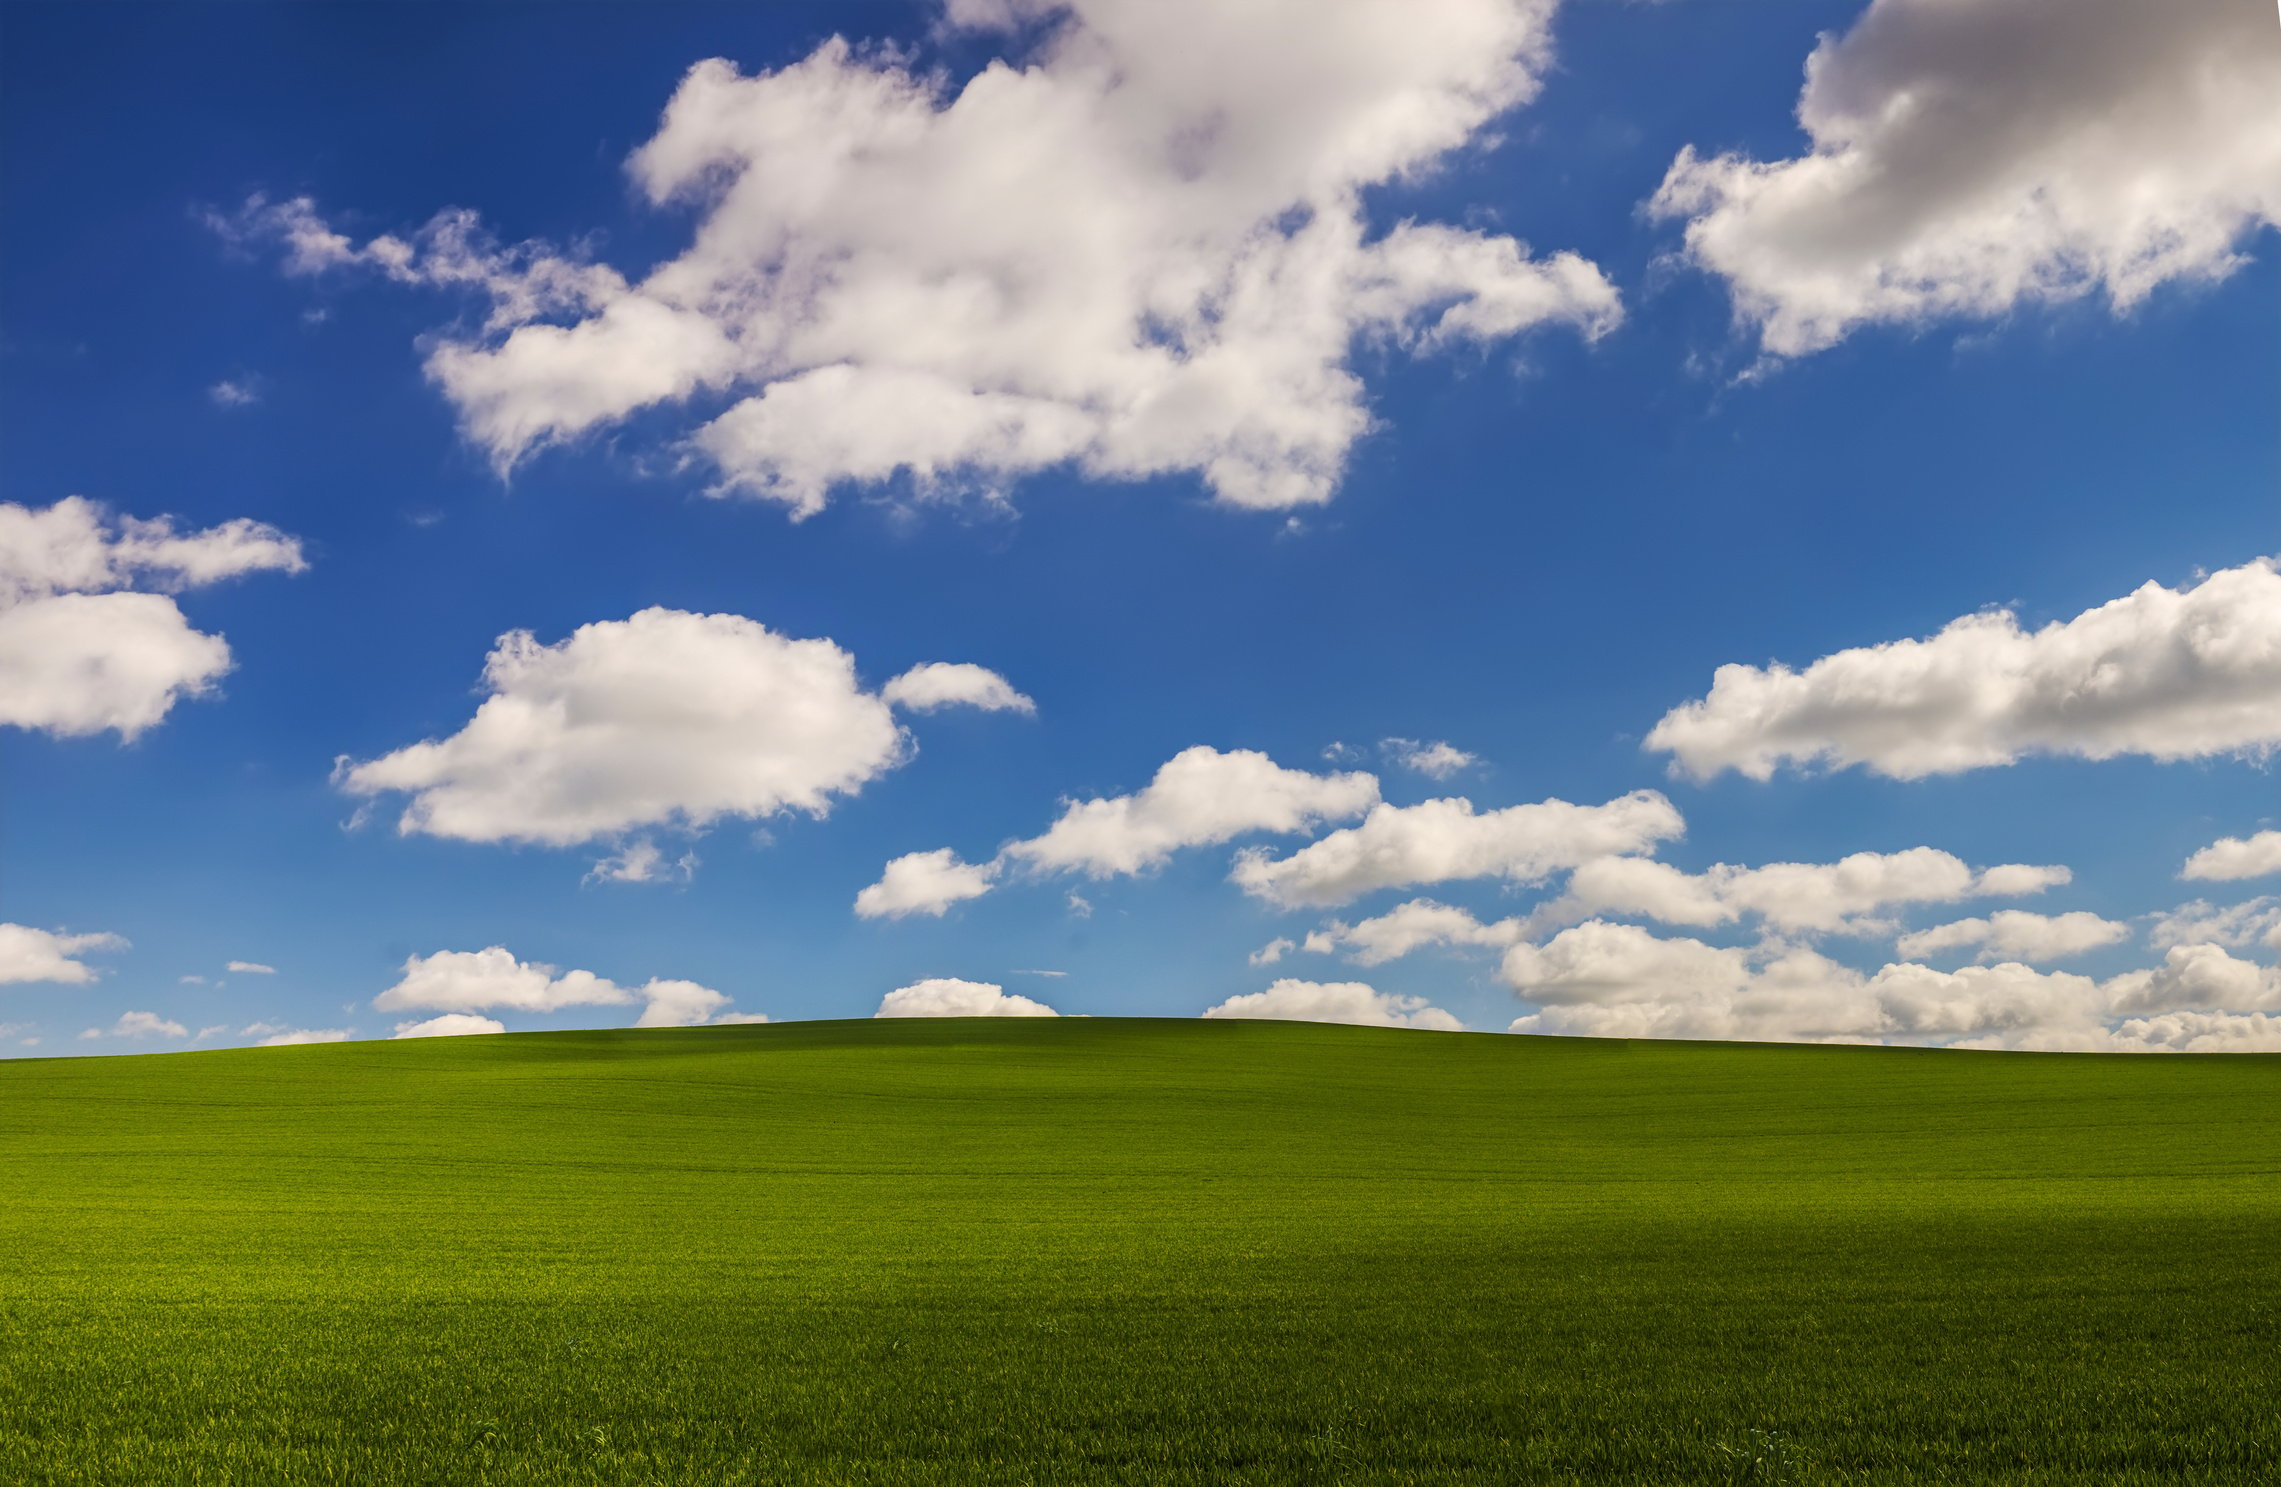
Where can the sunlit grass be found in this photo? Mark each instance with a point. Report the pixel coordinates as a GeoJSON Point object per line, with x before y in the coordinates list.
{"type": "Point", "coordinates": [1136, 1251]}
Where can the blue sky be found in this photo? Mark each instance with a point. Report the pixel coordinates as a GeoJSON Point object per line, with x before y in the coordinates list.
{"type": "Point", "coordinates": [1748, 428]}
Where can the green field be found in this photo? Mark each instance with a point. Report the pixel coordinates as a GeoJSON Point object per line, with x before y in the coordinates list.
{"type": "Point", "coordinates": [1031, 1251]}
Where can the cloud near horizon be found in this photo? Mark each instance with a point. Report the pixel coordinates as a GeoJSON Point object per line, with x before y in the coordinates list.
{"type": "Point", "coordinates": [948, 996]}
{"type": "Point", "coordinates": [666, 719]}
{"type": "Point", "coordinates": [475, 981]}
{"type": "Point", "coordinates": [2171, 674]}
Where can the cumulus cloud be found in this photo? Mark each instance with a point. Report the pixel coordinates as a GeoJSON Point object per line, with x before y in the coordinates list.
{"type": "Point", "coordinates": [450, 1025]}
{"type": "Point", "coordinates": [642, 861]}
{"type": "Point", "coordinates": [139, 1025]}
{"type": "Point", "coordinates": [28, 954]}
{"type": "Point", "coordinates": [940, 684]}
{"type": "Point", "coordinates": [1415, 925]}
{"type": "Point", "coordinates": [1843, 896]}
{"type": "Point", "coordinates": [2015, 934]}
{"type": "Point", "coordinates": [470, 981]}
{"type": "Point", "coordinates": [947, 996]}
{"type": "Point", "coordinates": [293, 1037]}
{"type": "Point", "coordinates": [1200, 797]}
{"type": "Point", "coordinates": [251, 968]}
{"type": "Point", "coordinates": [80, 653]}
{"type": "Point", "coordinates": [2232, 857]}
{"type": "Point", "coordinates": [1271, 952]}
{"type": "Point", "coordinates": [1970, 158]}
{"type": "Point", "coordinates": [1354, 1002]}
{"type": "Point", "coordinates": [2189, 673]}
{"type": "Point", "coordinates": [1618, 980]}
{"type": "Point", "coordinates": [2257, 921]}
{"type": "Point", "coordinates": [1139, 250]}
{"type": "Point", "coordinates": [664, 719]}
{"type": "Point", "coordinates": [924, 883]}
{"type": "Point", "coordinates": [235, 392]}
{"type": "Point", "coordinates": [1436, 761]}
{"type": "Point", "coordinates": [1439, 840]}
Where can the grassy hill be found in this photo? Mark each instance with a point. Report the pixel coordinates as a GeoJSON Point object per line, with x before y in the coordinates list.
{"type": "Point", "coordinates": [1020, 1251]}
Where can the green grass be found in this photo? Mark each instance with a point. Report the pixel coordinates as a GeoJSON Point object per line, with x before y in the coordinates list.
{"type": "Point", "coordinates": [1137, 1251]}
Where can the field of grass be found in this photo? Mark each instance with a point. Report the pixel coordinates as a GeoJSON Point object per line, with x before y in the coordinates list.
{"type": "Point", "coordinates": [1018, 1251]}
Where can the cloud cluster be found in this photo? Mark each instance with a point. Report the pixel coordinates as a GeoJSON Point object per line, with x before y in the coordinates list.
{"type": "Point", "coordinates": [449, 1025]}
{"type": "Point", "coordinates": [139, 1025]}
{"type": "Point", "coordinates": [475, 981]}
{"type": "Point", "coordinates": [2185, 673]}
{"type": "Point", "coordinates": [1200, 797]}
{"type": "Point", "coordinates": [82, 650]}
{"type": "Point", "coordinates": [2255, 922]}
{"type": "Point", "coordinates": [1353, 1002]}
{"type": "Point", "coordinates": [947, 996]}
{"type": "Point", "coordinates": [2233, 857]}
{"type": "Point", "coordinates": [1969, 158]}
{"type": "Point", "coordinates": [1620, 980]}
{"type": "Point", "coordinates": [1439, 840]}
{"type": "Point", "coordinates": [28, 954]}
{"type": "Point", "coordinates": [1141, 251]}
{"type": "Point", "coordinates": [664, 719]}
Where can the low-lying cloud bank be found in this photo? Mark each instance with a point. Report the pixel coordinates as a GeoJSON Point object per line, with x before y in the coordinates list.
{"type": "Point", "coordinates": [474, 981]}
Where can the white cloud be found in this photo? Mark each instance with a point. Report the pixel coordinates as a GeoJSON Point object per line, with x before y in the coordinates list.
{"type": "Point", "coordinates": [1354, 1002]}
{"type": "Point", "coordinates": [1970, 158]}
{"type": "Point", "coordinates": [478, 980]}
{"type": "Point", "coordinates": [642, 861]}
{"type": "Point", "coordinates": [940, 684]}
{"type": "Point", "coordinates": [78, 654]}
{"type": "Point", "coordinates": [1615, 980]}
{"type": "Point", "coordinates": [2015, 934]}
{"type": "Point", "coordinates": [2172, 674]}
{"type": "Point", "coordinates": [1412, 926]}
{"type": "Point", "coordinates": [140, 1025]}
{"type": "Point", "coordinates": [237, 392]}
{"type": "Point", "coordinates": [2257, 921]}
{"type": "Point", "coordinates": [2232, 857]}
{"type": "Point", "coordinates": [450, 1025]}
{"type": "Point", "coordinates": [481, 980]}
{"type": "Point", "coordinates": [924, 883]}
{"type": "Point", "coordinates": [1142, 251]}
{"type": "Point", "coordinates": [664, 719]}
{"type": "Point", "coordinates": [679, 1004]}
{"type": "Point", "coordinates": [1842, 896]}
{"type": "Point", "coordinates": [1271, 952]}
{"type": "Point", "coordinates": [252, 968]}
{"type": "Point", "coordinates": [2199, 1032]}
{"type": "Point", "coordinates": [1439, 840]}
{"type": "Point", "coordinates": [28, 954]}
{"type": "Point", "coordinates": [947, 996]}
{"type": "Point", "coordinates": [294, 1037]}
{"type": "Point", "coordinates": [1200, 797]}
{"type": "Point", "coordinates": [1436, 761]}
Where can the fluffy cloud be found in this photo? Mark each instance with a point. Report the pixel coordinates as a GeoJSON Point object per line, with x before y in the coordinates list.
{"type": "Point", "coordinates": [1336, 1001]}
{"type": "Point", "coordinates": [2015, 934]}
{"type": "Point", "coordinates": [667, 718]}
{"type": "Point", "coordinates": [139, 1025]}
{"type": "Point", "coordinates": [1436, 761]}
{"type": "Point", "coordinates": [2256, 922]}
{"type": "Point", "coordinates": [1841, 896]}
{"type": "Point", "coordinates": [79, 654]}
{"type": "Point", "coordinates": [1439, 840]}
{"type": "Point", "coordinates": [954, 684]}
{"type": "Point", "coordinates": [1411, 926]}
{"type": "Point", "coordinates": [251, 968]}
{"type": "Point", "coordinates": [2199, 1032]}
{"type": "Point", "coordinates": [1617, 980]}
{"type": "Point", "coordinates": [294, 1037]}
{"type": "Point", "coordinates": [471, 981]}
{"type": "Point", "coordinates": [947, 996]}
{"type": "Point", "coordinates": [28, 954]}
{"type": "Point", "coordinates": [2232, 857]}
{"type": "Point", "coordinates": [2172, 674]}
{"type": "Point", "coordinates": [642, 861]}
{"type": "Point", "coordinates": [450, 1025]}
{"type": "Point", "coordinates": [924, 883]}
{"type": "Point", "coordinates": [1200, 797]}
{"type": "Point", "coordinates": [1142, 251]}
{"type": "Point", "coordinates": [1969, 158]}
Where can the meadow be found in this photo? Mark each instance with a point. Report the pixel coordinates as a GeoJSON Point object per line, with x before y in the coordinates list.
{"type": "Point", "coordinates": [1136, 1251]}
